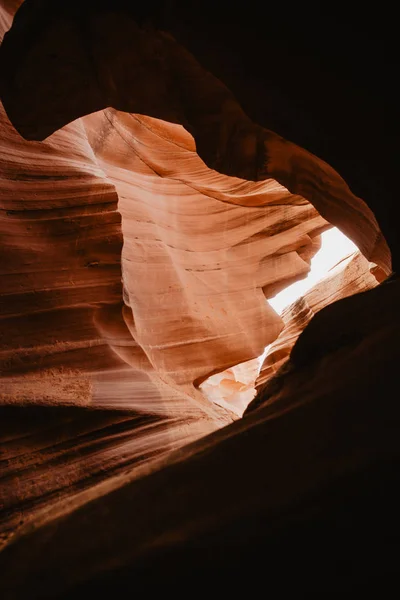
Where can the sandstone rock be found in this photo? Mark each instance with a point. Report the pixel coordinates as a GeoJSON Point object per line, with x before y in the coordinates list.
{"type": "Point", "coordinates": [142, 229]}
{"type": "Point", "coordinates": [199, 252]}
{"type": "Point", "coordinates": [145, 71]}
{"type": "Point", "coordinates": [316, 463]}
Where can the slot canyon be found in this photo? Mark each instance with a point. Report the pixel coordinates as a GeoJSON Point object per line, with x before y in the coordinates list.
{"type": "Point", "coordinates": [167, 170]}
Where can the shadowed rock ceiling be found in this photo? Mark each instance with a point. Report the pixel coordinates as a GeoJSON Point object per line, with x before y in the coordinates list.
{"type": "Point", "coordinates": [163, 174]}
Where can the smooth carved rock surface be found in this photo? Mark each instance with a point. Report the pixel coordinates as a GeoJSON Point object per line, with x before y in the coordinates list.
{"type": "Point", "coordinates": [82, 59]}
{"type": "Point", "coordinates": [352, 275]}
{"type": "Point", "coordinates": [197, 262]}
{"type": "Point", "coordinates": [60, 290]}
{"type": "Point", "coordinates": [53, 455]}
{"type": "Point", "coordinates": [133, 268]}
{"type": "Point", "coordinates": [234, 388]}
{"type": "Point", "coordinates": [199, 253]}
{"type": "Point", "coordinates": [223, 319]}
{"type": "Point", "coordinates": [317, 460]}
{"type": "Point", "coordinates": [199, 250]}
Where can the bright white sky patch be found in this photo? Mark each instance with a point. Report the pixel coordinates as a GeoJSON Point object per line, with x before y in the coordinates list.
{"type": "Point", "coordinates": [335, 246]}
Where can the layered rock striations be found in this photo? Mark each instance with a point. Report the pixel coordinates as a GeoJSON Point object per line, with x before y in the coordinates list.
{"type": "Point", "coordinates": [83, 58]}
{"type": "Point", "coordinates": [223, 319]}
{"type": "Point", "coordinates": [315, 462]}
{"type": "Point", "coordinates": [145, 220]}
{"type": "Point", "coordinates": [201, 251]}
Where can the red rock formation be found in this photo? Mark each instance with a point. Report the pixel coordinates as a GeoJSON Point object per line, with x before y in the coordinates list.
{"type": "Point", "coordinates": [316, 464]}
{"type": "Point", "coordinates": [209, 333]}
{"type": "Point", "coordinates": [63, 332]}
{"type": "Point", "coordinates": [133, 268]}
{"type": "Point", "coordinates": [193, 278]}
{"type": "Point", "coordinates": [226, 247]}
{"type": "Point", "coordinates": [145, 71]}
{"type": "Point", "coordinates": [193, 336]}
{"type": "Point", "coordinates": [196, 258]}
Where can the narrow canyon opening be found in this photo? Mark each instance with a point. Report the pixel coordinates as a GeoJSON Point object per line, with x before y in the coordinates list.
{"type": "Point", "coordinates": [335, 247]}
{"type": "Point", "coordinates": [235, 388]}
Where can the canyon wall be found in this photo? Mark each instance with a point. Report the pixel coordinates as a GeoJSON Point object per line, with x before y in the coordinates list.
{"type": "Point", "coordinates": [145, 221]}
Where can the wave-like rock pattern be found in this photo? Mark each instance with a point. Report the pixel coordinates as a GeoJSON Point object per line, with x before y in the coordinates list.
{"type": "Point", "coordinates": [201, 251]}
{"type": "Point", "coordinates": [132, 313]}
{"type": "Point", "coordinates": [317, 462]}
{"type": "Point", "coordinates": [51, 455]}
{"type": "Point", "coordinates": [212, 245]}
{"type": "Point", "coordinates": [61, 245]}
{"type": "Point", "coordinates": [197, 260]}
{"type": "Point", "coordinates": [82, 59]}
